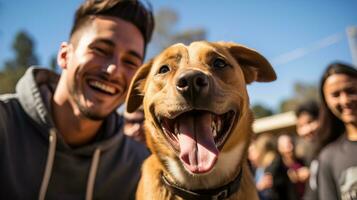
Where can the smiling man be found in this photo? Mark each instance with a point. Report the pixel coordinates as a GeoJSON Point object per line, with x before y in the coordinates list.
{"type": "Point", "coordinates": [60, 137]}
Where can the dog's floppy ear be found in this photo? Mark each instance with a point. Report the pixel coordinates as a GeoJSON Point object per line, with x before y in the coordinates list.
{"type": "Point", "coordinates": [135, 96]}
{"type": "Point", "coordinates": [255, 67]}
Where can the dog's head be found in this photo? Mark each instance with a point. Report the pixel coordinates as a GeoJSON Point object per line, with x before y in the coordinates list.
{"type": "Point", "coordinates": [195, 100]}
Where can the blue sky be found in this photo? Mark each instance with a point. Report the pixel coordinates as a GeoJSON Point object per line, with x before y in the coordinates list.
{"type": "Point", "coordinates": [300, 38]}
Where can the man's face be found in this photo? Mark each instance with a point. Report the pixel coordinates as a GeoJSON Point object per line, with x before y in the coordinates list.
{"type": "Point", "coordinates": [99, 67]}
{"type": "Point", "coordinates": [340, 93]}
{"type": "Point", "coordinates": [285, 145]}
{"type": "Point", "coordinates": [306, 126]}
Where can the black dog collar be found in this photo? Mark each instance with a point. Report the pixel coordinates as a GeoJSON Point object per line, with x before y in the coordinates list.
{"type": "Point", "coordinates": [210, 194]}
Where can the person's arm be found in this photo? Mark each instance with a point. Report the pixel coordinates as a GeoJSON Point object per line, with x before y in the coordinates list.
{"type": "Point", "coordinates": [266, 182]}
{"type": "Point", "coordinates": [326, 185]}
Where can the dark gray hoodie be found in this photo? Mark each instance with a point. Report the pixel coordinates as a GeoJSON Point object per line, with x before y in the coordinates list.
{"type": "Point", "coordinates": [36, 163]}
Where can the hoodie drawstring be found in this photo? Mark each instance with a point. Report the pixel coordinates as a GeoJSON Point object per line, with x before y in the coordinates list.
{"type": "Point", "coordinates": [49, 164]}
{"type": "Point", "coordinates": [92, 174]}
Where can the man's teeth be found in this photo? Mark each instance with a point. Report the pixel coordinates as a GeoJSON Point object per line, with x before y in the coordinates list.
{"type": "Point", "coordinates": [102, 86]}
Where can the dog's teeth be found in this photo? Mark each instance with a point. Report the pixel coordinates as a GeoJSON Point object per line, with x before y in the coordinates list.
{"type": "Point", "coordinates": [214, 129]}
{"type": "Point", "coordinates": [176, 129]}
{"type": "Point", "coordinates": [214, 132]}
{"type": "Point", "coordinates": [219, 125]}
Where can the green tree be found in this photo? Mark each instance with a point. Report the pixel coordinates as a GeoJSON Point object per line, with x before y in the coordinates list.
{"type": "Point", "coordinates": [23, 47]}
{"type": "Point", "coordinates": [260, 111]}
{"type": "Point", "coordinates": [53, 63]}
{"type": "Point", "coordinates": [302, 92]}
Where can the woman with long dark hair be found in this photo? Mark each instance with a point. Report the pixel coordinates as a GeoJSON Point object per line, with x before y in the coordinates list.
{"type": "Point", "coordinates": [337, 176]}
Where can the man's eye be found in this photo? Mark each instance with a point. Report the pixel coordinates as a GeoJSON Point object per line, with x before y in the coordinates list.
{"type": "Point", "coordinates": [131, 63]}
{"type": "Point", "coordinates": [100, 51]}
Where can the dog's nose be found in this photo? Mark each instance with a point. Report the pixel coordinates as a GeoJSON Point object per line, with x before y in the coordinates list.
{"type": "Point", "coordinates": [192, 82]}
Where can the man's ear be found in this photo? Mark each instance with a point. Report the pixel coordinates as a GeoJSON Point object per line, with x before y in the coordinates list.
{"type": "Point", "coordinates": [135, 96]}
{"type": "Point", "coordinates": [62, 55]}
{"type": "Point", "coordinates": [254, 66]}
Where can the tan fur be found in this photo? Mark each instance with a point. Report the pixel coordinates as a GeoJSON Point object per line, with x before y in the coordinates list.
{"type": "Point", "coordinates": [159, 97]}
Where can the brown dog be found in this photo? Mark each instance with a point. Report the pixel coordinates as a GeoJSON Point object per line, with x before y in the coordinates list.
{"type": "Point", "coordinates": [198, 121]}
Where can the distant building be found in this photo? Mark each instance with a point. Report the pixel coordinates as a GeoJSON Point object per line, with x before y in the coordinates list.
{"type": "Point", "coordinates": [279, 123]}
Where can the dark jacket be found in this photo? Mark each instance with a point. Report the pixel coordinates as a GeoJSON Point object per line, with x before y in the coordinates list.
{"type": "Point", "coordinates": [337, 174]}
{"type": "Point", "coordinates": [36, 163]}
{"type": "Point", "coordinates": [282, 189]}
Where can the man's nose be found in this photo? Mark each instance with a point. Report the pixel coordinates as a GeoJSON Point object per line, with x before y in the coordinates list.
{"type": "Point", "coordinates": [112, 68]}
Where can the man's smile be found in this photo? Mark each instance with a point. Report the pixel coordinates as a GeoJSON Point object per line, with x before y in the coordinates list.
{"type": "Point", "coordinates": [102, 87]}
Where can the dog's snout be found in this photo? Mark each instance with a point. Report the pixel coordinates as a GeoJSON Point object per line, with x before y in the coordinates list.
{"type": "Point", "coordinates": [192, 82]}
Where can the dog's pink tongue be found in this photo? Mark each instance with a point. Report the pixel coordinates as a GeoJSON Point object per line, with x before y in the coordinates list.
{"type": "Point", "coordinates": [197, 148]}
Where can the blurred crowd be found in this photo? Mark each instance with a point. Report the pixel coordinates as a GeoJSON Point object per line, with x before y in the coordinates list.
{"type": "Point", "coordinates": [319, 161]}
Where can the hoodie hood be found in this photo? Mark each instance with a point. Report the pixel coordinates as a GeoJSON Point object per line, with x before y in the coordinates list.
{"type": "Point", "coordinates": [35, 90]}
{"type": "Point", "coordinates": [30, 97]}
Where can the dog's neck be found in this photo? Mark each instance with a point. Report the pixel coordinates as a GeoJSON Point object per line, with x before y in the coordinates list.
{"type": "Point", "coordinates": [222, 192]}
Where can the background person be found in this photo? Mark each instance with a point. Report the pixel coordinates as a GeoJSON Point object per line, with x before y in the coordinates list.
{"type": "Point", "coordinates": [261, 154]}
{"type": "Point", "coordinates": [296, 169]}
{"type": "Point", "coordinates": [60, 136]}
{"type": "Point", "coordinates": [337, 175]}
{"type": "Point", "coordinates": [307, 123]}
{"type": "Point", "coordinates": [307, 115]}
{"type": "Point", "coordinates": [271, 177]}
{"type": "Point", "coordinates": [134, 125]}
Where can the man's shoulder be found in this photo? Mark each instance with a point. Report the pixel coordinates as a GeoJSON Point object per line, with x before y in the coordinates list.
{"type": "Point", "coordinates": [8, 97]}
{"type": "Point", "coordinates": [9, 106]}
{"type": "Point", "coordinates": [7, 102]}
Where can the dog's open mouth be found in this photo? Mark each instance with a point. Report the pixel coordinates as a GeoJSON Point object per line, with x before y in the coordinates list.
{"type": "Point", "coordinates": [198, 136]}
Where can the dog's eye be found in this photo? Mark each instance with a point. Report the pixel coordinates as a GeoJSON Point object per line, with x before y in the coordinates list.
{"type": "Point", "coordinates": [219, 63]}
{"type": "Point", "coordinates": [164, 69]}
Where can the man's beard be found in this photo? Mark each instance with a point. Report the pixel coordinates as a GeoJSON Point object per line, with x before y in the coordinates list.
{"type": "Point", "coordinates": [88, 113]}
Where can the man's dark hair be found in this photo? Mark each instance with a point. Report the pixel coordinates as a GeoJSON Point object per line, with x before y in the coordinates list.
{"type": "Point", "coordinates": [331, 127]}
{"type": "Point", "coordinates": [132, 11]}
{"type": "Point", "coordinates": [310, 107]}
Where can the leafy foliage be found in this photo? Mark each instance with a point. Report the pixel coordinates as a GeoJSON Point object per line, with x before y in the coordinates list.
{"type": "Point", "coordinates": [260, 111]}
{"type": "Point", "coordinates": [302, 93]}
{"type": "Point", "coordinates": [23, 47]}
